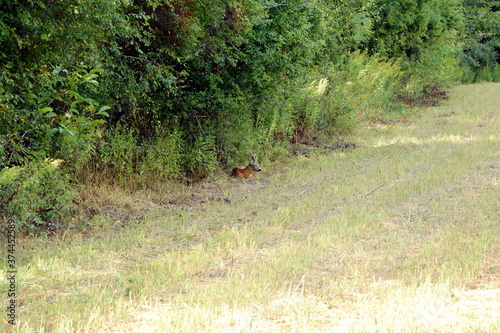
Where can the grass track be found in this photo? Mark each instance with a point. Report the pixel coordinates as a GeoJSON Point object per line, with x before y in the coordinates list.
{"type": "Point", "coordinates": [400, 234]}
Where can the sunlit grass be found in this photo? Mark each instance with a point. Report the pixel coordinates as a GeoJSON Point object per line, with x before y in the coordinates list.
{"type": "Point", "coordinates": [398, 235]}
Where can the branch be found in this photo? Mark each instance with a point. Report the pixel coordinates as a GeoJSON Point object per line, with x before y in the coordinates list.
{"type": "Point", "coordinates": [6, 201]}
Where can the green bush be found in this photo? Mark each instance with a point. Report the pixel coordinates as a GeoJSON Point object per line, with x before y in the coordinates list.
{"type": "Point", "coordinates": [200, 157]}
{"type": "Point", "coordinates": [117, 154]}
{"type": "Point", "coordinates": [489, 74]}
{"type": "Point", "coordinates": [306, 110]}
{"type": "Point", "coordinates": [359, 86]}
{"type": "Point", "coordinates": [37, 196]}
{"type": "Point", "coordinates": [119, 157]}
{"type": "Point", "coordinates": [275, 121]}
{"type": "Point", "coordinates": [438, 67]}
{"type": "Point", "coordinates": [237, 137]}
{"type": "Point", "coordinates": [162, 159]}
{"type": "Point", "coordinates": [480, 56]}
{"type": "Point", "coordinates": [24, 135]}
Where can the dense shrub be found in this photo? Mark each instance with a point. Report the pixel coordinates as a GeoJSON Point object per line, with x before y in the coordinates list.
{"type": "Point", "coordinates": [162, 159]}
{"type": "Point", "coordinates": [37, 196]}
{"type": "Point", "coordinates": [480, 57]}
{"type": "Point", "coordinates": [367, 85]}
{"type": "Point", "coordinates": [227, 76]}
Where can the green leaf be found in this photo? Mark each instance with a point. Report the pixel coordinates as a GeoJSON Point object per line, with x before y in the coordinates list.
{"type": "Point", "coordinates": [46, 109]}
{"type": "Point", "coordinates": [102, 111]}
{"type": "Point", "coordinates": [38, 153]}
{"type": "Point", "coordinates": [96, 70]}
{"type": "Point", "coordinates": [75, 94]}
{"type": "Point", "coordinates": [90, 76]}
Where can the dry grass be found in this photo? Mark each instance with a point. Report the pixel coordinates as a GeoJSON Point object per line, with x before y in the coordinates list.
{"type": "Point", "coordinates": [399, 234]}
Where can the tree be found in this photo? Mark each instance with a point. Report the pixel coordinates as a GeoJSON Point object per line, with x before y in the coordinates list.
{"type": "Point", "coordinates": [481, 51]}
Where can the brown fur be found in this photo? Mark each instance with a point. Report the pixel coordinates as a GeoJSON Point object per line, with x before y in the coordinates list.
{"type": "Point", "coordinates": [246, 172]}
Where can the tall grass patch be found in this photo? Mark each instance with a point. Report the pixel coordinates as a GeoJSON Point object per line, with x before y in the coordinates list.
{"type": "Point", "coordinates": [359, 87]}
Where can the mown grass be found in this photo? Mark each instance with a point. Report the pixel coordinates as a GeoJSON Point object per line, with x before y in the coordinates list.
{"type": "Point", "coordinates": [400, 234]}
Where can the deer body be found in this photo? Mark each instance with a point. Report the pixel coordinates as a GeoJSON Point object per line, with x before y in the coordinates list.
{"type": "Point", "coordinates": [246, 172]}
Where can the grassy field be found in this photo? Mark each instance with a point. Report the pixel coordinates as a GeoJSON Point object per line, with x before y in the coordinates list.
{"type": "Point", "coordinates": [400, 233]}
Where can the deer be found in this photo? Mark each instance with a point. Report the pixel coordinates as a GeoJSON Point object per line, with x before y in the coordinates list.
{"type": "Point", "coordinates": [246, 172]}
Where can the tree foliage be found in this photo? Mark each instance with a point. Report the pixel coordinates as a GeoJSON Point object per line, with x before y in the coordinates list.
{"type": "Point", "coordinates": [481, 52]}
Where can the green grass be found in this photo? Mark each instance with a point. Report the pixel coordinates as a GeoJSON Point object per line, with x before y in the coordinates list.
{"type": "Point", "coordinates": [400, 234]}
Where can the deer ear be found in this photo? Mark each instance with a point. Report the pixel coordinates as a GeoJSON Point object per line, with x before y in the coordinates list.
{"type": "Point", "coordinates": [253, 158]}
